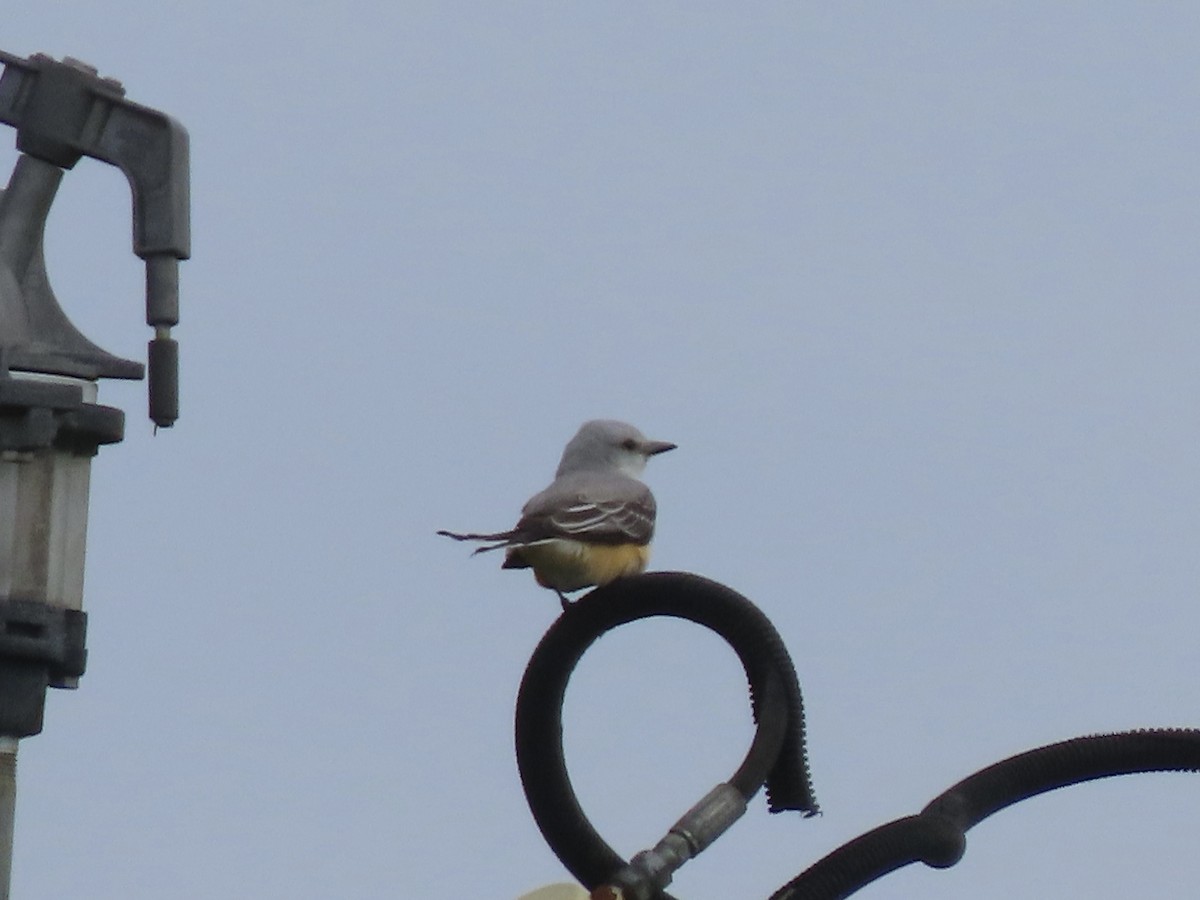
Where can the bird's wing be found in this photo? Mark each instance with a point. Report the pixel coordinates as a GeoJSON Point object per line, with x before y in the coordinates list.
{"type": "Point", "coordinates": [597, 507]}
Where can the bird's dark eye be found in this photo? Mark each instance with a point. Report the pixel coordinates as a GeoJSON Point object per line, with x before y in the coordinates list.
{"type": "Point", "coordinates": [629, 444]}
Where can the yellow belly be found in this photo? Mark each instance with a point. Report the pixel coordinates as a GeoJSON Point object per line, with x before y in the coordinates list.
{"type": "Point", "coordinates": [570, 565]}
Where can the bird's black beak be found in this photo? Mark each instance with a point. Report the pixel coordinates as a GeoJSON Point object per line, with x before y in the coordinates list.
{"type": "Point", "coordinates": [650, 448]}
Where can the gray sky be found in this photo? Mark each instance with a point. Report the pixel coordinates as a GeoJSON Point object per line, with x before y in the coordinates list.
{"type": "Point", "coordinates": [914, 288]}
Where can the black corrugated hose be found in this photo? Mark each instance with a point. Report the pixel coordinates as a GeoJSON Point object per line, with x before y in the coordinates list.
{"type": "Point", "coordinates": [937, 835]}
{"type": "Point", "coordinates": [777, 756]}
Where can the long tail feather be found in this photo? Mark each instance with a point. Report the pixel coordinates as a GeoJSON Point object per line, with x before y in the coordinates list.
{"type": "Point", "coordinates": [502, 539]}
{"type": "Point", "coordinates": [478, 550]}
{"type": "Point", "coordinates": [495, 536]}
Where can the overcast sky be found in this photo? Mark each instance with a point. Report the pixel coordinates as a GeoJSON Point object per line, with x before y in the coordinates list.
{"type": "Point", "coordinates": [914, 288]}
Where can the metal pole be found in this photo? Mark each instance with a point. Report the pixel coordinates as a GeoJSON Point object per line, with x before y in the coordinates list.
{"type": "Point", "coordinates": [8, 805]}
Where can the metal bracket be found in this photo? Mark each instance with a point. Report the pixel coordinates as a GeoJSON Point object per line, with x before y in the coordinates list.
{"type": "Point", "coordinates": [40, 645]}
{"type": "Point", "coordinates": [63, 111]}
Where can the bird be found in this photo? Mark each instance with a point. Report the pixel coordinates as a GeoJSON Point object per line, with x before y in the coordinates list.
{"type": "Point", "coordinates": [594, 522]}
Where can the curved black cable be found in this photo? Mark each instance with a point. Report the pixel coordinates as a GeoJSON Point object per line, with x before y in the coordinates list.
{"type": "Point", "coordinates": [937, 835]}
{"type": "Point", "coordinates": [776, 757]}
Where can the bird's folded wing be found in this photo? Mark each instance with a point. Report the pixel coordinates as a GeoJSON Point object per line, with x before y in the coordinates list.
{"type": "Point", "coordinates": [615, 511]}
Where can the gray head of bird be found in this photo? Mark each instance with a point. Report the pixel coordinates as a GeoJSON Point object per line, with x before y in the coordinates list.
{"type": "Point", "coordinates": [606, 444]}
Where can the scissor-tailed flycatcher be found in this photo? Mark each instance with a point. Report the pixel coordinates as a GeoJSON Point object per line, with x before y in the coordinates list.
{"type": "Point", "coordinates": [595, 520]}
